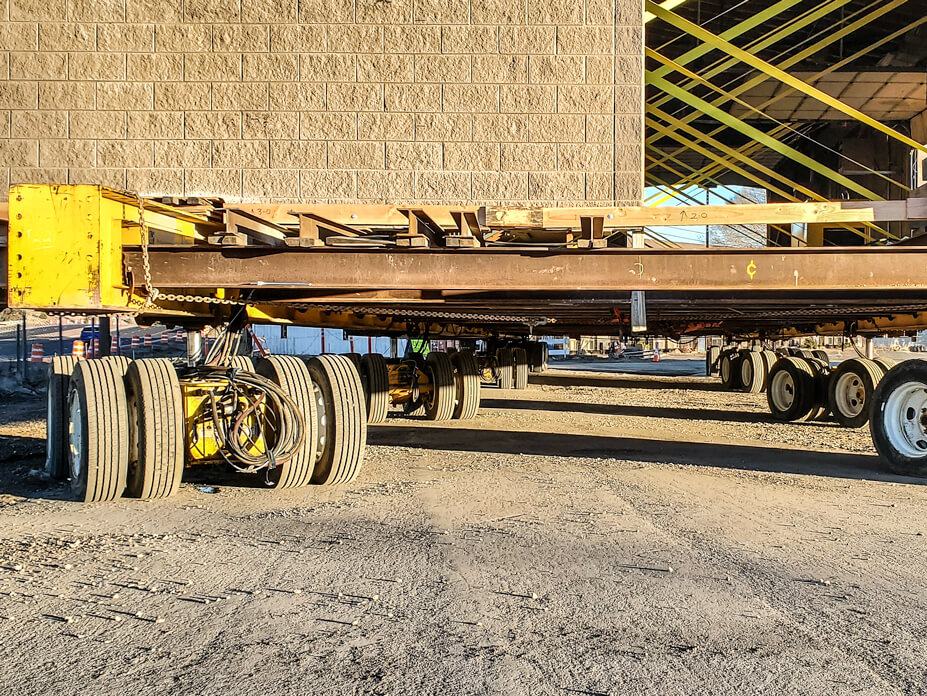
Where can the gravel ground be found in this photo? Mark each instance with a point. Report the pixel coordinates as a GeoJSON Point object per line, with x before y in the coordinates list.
{"type": "Point", "coordinates": [594, 534]}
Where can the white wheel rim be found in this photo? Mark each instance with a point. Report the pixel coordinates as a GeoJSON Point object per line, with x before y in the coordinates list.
{"type": "Point", "coordinates": [746, 371]}
{"type": "Point", "coordinates": [322, 420]}
{"type": "Point", "coordinates": [75, 436]}
{"type": "Point", "coordinates": [905, 419]}
{"type": "Point", "coordinates": [850, 394]}
{"type": "Point", "coordinates": [782, 390]}
{"type": "Point", "coordinates": [725, 368]}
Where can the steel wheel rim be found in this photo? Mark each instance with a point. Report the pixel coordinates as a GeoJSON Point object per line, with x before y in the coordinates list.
{"type": "Point", "coordinates": [850, 394]}
{"type": "Point", "coordinates": [746, 371]}
{"type": "Point", "coordinates": [725, 368]}
{"type": "Point", "coordinates": [782, 390]}
{"type": "Point", "coordinates": [75, 436]}
{"type": "Point", "coordinates": [905, 420]}
{"type": "Point", "coordinates": [322, 420]}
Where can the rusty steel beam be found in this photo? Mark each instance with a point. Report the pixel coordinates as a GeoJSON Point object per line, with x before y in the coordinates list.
{"type": "Point", "coordinates": [776, 269]}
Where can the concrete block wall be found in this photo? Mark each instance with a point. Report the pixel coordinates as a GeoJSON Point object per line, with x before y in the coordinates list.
{"type": "Point", "coordinates": [489, 101]}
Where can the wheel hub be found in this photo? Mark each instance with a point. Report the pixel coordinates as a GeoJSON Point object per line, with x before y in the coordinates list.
{"type": "Point", "coordinates": [905, 416]}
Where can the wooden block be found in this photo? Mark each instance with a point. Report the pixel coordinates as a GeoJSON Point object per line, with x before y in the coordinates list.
{"type": "Point", "coordinates": [461, 240]}
{"type": "Point", "coordinates": [411, 240]}
{"type": "Point", "coordinates": [234, 239]}
{"type": "Point", "coordinates": [303, 242]}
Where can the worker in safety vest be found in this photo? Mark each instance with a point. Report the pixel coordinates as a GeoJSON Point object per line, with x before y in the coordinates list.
{"type": "Point", "coordinates": [417, 345]}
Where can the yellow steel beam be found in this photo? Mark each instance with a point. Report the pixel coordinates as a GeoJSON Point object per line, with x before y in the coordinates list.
{"type": "Point", "coordinates": [666, 5]}
{"type": "Point", "coordinates": [776, 73]}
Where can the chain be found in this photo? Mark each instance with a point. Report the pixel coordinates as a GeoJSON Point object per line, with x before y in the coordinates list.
{"type": "Point", "coordinates": [415, 314]}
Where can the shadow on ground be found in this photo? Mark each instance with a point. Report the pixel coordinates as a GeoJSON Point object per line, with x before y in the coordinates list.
{"type": "Point", "coordinates": [623, 382]}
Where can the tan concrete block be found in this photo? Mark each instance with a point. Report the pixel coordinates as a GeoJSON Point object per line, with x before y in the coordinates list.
{"type": "Point", "coordinates": [155, 11]}
{"type": "Point", "coordinates": [475, 157]}
{"type": "Point", "coordinates": [356, 155]}
{"type": "Point", "coordinates": [290, 96]}
{"type": "Point", "coordinates": [380, 12]}
{"type": "Point", "coordinates": [155, 125]}
{"type": "Point", "coordinates": [442, 12]}
{"type": "Point", "coordinates": [220, 125]}
{"type": "Point", "coordinates": [501, 12]}
{"type": "Point", "coordinates": [97, 10]}
{"type": "Point", "coordinates": [453, 187]}
{"type": "Point", "coordinates": [629, 41]}
{"type": "Point", "coordinates": [470, 98]}
{"type": "Point", "coordinates": [318, 185]}
{"type": "Point", "coordinates": [412, 39]}
{"type": "Point", "coordinates": [602, 12]}
{"type": "Point", "coordinates": [470, 39]}
{"type": "Point", "coordinates": [499, 186]}
{"type": "Point", "coordinates": [584, 99]}
{"type": "Point", "coordinates": [629, 129]}
{"type": "Point", "coordinates": [600, 70]}
{"type": "Point", "coordinates": [500, 69]}
{"type": "Point", "coordinates": [155, 182]}
{"type": "Point", "coordinates": [19, 153]}
{"type": "Point", "coordinates": [125, 95]}
{"type": "Point", "coordinates": [504, 128]}
{"type": "Point", "coordinates": [67, 153]}
{"type": "Point", "coordinates": [417, 156]}
{"type": "Point", "coordinates": [584, 40]}
{"type": "Point", "coordinates": [527, 99]}
{"type": "Point", "coordinates": [182, 96]}
{"type": "Point", "coordinates": [242, 38]}
{"type": "Point", "coordinates": [554, 12]}
{"type": "Point", "coordinates": [527, 40]}
{"type": "Point", "coordinates": [38, 66]}
{"type": "Point", "coordinates": [600, 129]}
{"type": "Point", "coordinates": [39, 124]}
{"type": "Point", "coordinates": [229, 96]}
{"type": "Point", "coordinates": [441, 68]}
{"type": "Point", "coordinates": [261, 184]}
{"type": "Point", "coordinates": [629, 99]}
{"type": "Point", "coordinates": [269, 11]}
{"type": "Point", "coordinates": [297, 38]}
{"type": "Point", "coordinates": [442, 128]}
{"type": "Point", "coordinates": [32, 175]}
{"type": "Point", "coordinates": [159, 67]}
{"type": "Point", "coordinates": [19, 37]}
{"type": "Point", "coordinates": [556, 186]}
{"type": "Point", "coordinates": [65, 37]}
{"type": "Point", "coordinates": [327, 67]}
{"type": "Point", "coordinates": [519, 157]}
{"type": "Point", "coordinates": [132, 38]}
{"type": "Point", "coordinates": [556, 128]}
{"type": "Point", "coordinates": [213, 182]}
{"type": "Point", "coordinates": [629, 70]}
{"type": "Point", "coordinates": [273, 125]}
{"type": "Point", "coordinates": [273, 67]}
{"type": "Point", "coordinates": [385, 126]}
{"type": "Point", "coordinates": [629, 186]}
{"type": "Point", "coordinates": [629, 13]}
{"type": "Point", "coordinates": [581, 157]}
{"type": "Point", "coordinates": [97, 124]}
{"type": "Point", "coordinates": [219, 11]}
{"type": "Point", "coordinates": [38, 10]}
{"type": "Point", "coordinates": [293, 154]}
{"type": "Point", "coordinates": [326, 125]}
{"type": "Point", "coordinates": [4, 66]}
{"type": "Point", "coordinates": [418, 98]}
{"type": "Point", "coordinates": [394, 187]}
{"type": "Point", "coordinates": [324, 11]}
{"type": "Point", "coordinates": [629, 155]}
{"type": "Point", "coordinates": [355, 38]}
{"type": "Point", "coordinates": [228, 154]}
{"type": "Point", "coordinates": [182, 154]}
{"type": "Point", "coordinates": [385, 68]}
{"type": "Point", "coordinates": [183, 38]}
{"type": "Point", "coordinates": [599, 185]}
{"type": "Point", "coordinates": [212, 67]}
{"type": "Point", "coordinates": [96, 66]}
{"type": "Point", "coordinates": [64, 95]}
{"type": "Point", "coordinates": [356, 97]}
{"type": "Point", "coordinates": [114, 178]}
{"type": "Point", "coordinates": [125, 153]}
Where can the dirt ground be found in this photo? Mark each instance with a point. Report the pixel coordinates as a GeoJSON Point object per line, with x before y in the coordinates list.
{"type": "Point", "coordinates": [595, 534]}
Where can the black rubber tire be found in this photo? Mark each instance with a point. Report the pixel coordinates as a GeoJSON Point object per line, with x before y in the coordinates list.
{"type": "Point", "coordinates": [712, 356]}
{"type": "Point", "coordinates": [56, 424]}
{"type": "Point", "coordinates": [292, 374]}
{"type": "Point", "coordinates": [520, 373]}
{"type": "Point", "coordinates": [793, 352]}
{"type": "Point", "coordinates": [355, 359]}
{"type": "Point", "coordinates": [753, 372]}
{"type": "Point", "coordinates": [242, 362]}
{"type": "Point", "coordinates": [467, 384]}
{"type": "Point", "coordinates": [729, 369]}
{"type": "Point", "coordinates": [821, 372]}
{"type": "Point", "coordinates": [103, 455]}
{"type": "Point", "coordinates": [374, 375]}
{"type": "Point", "coordinates": [505, 368]}
{"type": "Point", "coordinates": [866, 375]}
{"type": "Point", "coordinates": [342, 421]}
{"type": "Point", "coordinates": [907, 372]}
{"type": "Point", "coordinates": [806, 353]}
{"type": "Point", "coordinates": [156, 428]}
{"type": "Point", "coordinates": [802, 389]}
{"type": "Point", "coordinates": [821, 355]}
{"type": "Point", "coordinates": [885, 363]}
{"type": "Point", "coordinates": [439, 405]}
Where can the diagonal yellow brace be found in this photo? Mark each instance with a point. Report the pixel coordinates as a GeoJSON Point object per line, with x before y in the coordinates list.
{"type": "Point", "coordinates": [774, 72]}
{"type": "Point", "coordinates": [666, 5]}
